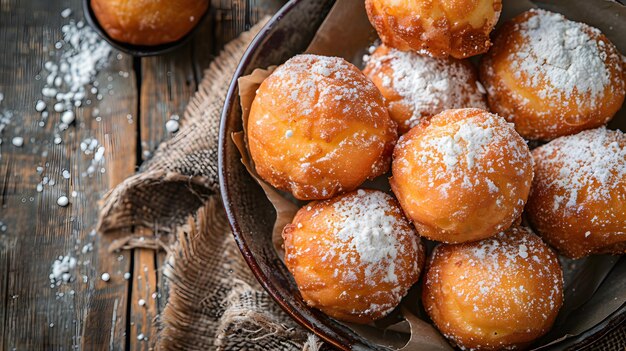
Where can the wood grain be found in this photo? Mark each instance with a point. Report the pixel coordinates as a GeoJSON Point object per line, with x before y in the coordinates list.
{"type": "Point", "coordinates": [87, 313]}
{"type": "Point", "coordinates": [167, 84]}
{"type": "Point", "coordinates": [36, 316]}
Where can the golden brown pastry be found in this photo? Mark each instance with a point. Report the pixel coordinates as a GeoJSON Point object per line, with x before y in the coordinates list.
{"type": "Point", "coordinates": [457, 28]}
{"type": "Point", "coordinates": [318, 127]}
{"type": "Point", "coordinates": [552, 76]}
{"type": "Point", "coordinates": [148, 22]}
{"type": "Point", "coordinates": [417, 86]}
{"type": "Point", "coordinates": [495, 294]}
{"type": "Point", "coordinates": [354, 256]}
{"type": "Point", "coordinates": [464, 176]}
{"type": "Point", "coordinates": [578, 199]}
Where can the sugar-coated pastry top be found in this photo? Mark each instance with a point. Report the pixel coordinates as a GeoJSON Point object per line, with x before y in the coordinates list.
{"type": "Point", "coordinates": [590, 165]}
{"type": "Point", "coordinates": [354, 256]}
{"type": "Point", "coordinates": [464, 176]}
{"type": "Point", "coordinates": [309, 120]}
{"type": "Point", "coordinates": [148, 22]}
{"type": "Point", "coordinates": [443, 28]}
{"type": "Point", "coordinates": [417, 86]}
{"type": "Point", "coordinates": [552, 76]}
{"type": "Point", "coordinates": [497, 293]}
{"type": "Point", "coordinates": [566, 55]}
{"type": "Point", "coordinates": [578, 199]}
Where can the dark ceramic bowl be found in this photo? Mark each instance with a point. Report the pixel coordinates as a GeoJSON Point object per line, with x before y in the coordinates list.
{"type": "Point", "coordinates": [136, 50]}
{"type": "Point", "coordinates": [251, 215]}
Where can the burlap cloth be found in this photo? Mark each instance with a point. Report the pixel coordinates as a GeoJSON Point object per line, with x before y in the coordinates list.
{"type": "Point", "coordinates": [214, 301]}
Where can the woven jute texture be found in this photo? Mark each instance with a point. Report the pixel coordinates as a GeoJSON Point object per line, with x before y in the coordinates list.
{"type": "Point", "coordinates": [214, 301]}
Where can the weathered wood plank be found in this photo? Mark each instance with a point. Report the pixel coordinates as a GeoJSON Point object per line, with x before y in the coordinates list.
{"type": "Point", "coordinates": [227, 18]}
{"type": "Point", "coordinates": [91, 314]}
{"type": "Point", "coordinates": [166, 86]}
{"type": "Point", "coordinates": [77, 313]}
{"type": "Point", "coordinates": [143, 308]}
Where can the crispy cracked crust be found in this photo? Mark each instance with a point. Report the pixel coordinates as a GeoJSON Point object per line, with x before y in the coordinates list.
{"type": "Point", "coordinates": [456, 28]}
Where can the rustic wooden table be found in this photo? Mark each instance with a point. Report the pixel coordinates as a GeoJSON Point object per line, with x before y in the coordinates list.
{"type": "Point", "coordinates": [143, 93]}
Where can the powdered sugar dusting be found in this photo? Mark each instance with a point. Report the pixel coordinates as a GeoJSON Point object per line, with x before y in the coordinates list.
{"type": "Point", "coordinates": [366, 245]}
{"type": "Point", "coordinates": [308, 114]}
{"type": "Point", "coordinates": [504, 254]}
{"type": "Point", "coordinates": [561, 57]}
{"type": "Point", "coordinates": [368, 225]}
{"type": "Point", "coordinates": [367, 228]}
{"type": "Point", "coordinates": [427, 85]}
{"type": "Point", "coordinates": [463, 152]}
{"type": "Point", "coordinates": [590, 165]}
{"type": "Point", "coordinates": [469, 142]}
{"type": "Point", "coordinates": [314, 80]}
{"type": "Point", "coordinates": [501, 278]}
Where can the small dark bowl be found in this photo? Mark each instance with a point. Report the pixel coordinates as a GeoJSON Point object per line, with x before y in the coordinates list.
{"type": "Point", "coordinates": [136, 50]}
{"type": "Point", "coordinates": [251, 215]}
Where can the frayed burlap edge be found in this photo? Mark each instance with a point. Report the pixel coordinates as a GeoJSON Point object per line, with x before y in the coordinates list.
{"type": "Point", "coordinates": [215, 303]}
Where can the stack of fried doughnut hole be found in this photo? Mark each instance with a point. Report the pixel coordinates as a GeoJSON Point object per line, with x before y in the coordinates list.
{"type": "Point", "coordinates": [453, 140]}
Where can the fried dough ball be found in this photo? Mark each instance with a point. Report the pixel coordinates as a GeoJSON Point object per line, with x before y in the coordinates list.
{"type": "Point", "coordinates": [462, 177]}
{"type": "Point", "coordinates": [417, 87]}
{"type": "Point", "coordinates": [148, 22]}
{"type": "Point", "coordinates": [552, 76]}
{"type": "Point", "coordinates": [354, 256]}
{"type": "Point", "coordinates": [497, 293]}
{"type": "Point", "coordinates": [578, 198]}
{"type": "Point", "coordinates": [318, 127]}
{"type": "Point", "coordinates": [441, 28]}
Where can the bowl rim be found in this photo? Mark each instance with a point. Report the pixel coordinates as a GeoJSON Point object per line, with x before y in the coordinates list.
{"type": "Point", "coordinates": [582, 341]}
{"type": "Point", "coordinates": [138, 50]}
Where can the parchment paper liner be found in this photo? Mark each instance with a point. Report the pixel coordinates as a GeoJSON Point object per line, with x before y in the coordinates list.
{"type": "Point", "coordinates": [347, 33]}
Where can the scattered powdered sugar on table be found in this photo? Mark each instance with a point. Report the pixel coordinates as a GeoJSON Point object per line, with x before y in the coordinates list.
{"type": "Point", "coordinates": [427, 85]}
{"type": "Point", "coordinates": [17, 141]}
{"type": "Point", "coordinates": [67, 80]}
{"type": "Point", "coordinates": [92, 148]}
{"type": "Point", "coordinates": [63, 201]}
{"type": "Point", "coordinates": [561, 56]}
{"type": "Point", "coordinates": [172, 125]}
{"type": "Point", "coordinates": [62, 270]}
{"type": "Point", "coordinates": [590, 165]}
